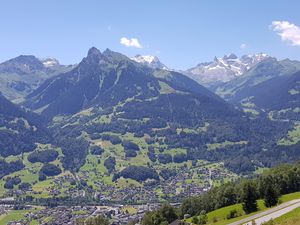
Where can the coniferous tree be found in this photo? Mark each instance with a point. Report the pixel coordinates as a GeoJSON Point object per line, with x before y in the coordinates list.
{"type": "Point", "coordinates": [249, 197]}
{"type": "Point", "coordinates": [271, 194]}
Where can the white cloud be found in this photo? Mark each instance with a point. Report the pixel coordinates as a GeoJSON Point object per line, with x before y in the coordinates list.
{"type": "Point", "coordinates": [133, 42]}
{"type": "Point", "coordinates": [287, 31]}
{"type": "Point", "coordinates": [243, 46]}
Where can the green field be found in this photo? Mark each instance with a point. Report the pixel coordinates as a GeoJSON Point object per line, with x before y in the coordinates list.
{"type": "Point", "coordinates": [293, 136]}
{"type": "Point", "coordinates": [291, 218]}
{"type": "Point", "coordinates": [215, 146]}
{"type": "Point", "coordinates": [218, 217]}
{"type": "Point", "coordinates": [16, 215]}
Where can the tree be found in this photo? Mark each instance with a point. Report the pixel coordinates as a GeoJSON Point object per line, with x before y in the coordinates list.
{"type": "Point", "coordinates": [99, 220]}
{"type": "Point", "coordinates": [249, 197]}
{"type": "Point", "coordinates": [50, 170]}
{"type": "Point", "coordinates": [147, 219]}
{"type": "Point", "coordinates": [165, 215]}
{"type": "Point", "coordinates": [202, 218]}
{"type": "Point", "coordinates": [168, 213]}
{"type": "Point", "coordinates": [195, 220]}
{"type": "Point", "coordinates": [271, 195]}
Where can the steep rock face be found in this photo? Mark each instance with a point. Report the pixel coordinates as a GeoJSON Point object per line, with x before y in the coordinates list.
{"type": "Point", "coordinates": [224, 69]}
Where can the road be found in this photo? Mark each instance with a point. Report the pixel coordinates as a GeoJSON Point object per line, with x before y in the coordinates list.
{"type": "Point", "coordinates": [270, 214]}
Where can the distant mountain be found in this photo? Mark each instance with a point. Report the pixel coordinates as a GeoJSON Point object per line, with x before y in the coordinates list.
{"type": "Point", "coordinates": [224, 69]}
{"type": "Point", "coordinates": [148, 60]}
{"type": "Point", "coordinates": [134, 98]}
{"type": "Point", "coordinates": [23, 64]}
{"type": "Point", "coordinates": [21, 75]}
{"type": "Point", "coordinates": [106, 79]}
{"type": "Point", "coordinates": [279, 95]}
{"type": "Point", "coordinates": [119, 125]}
{"type": "Point", "coordinates": [241, 87]}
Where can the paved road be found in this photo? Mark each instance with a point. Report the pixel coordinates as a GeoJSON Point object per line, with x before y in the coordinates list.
{"type": "Point", "coordinates": [270, 214]}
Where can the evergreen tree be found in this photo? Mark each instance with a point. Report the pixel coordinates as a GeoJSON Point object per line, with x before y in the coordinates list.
{"type": "Point", "coordinates": [168, 212]}
{"type": "Point", "coordinates": [249, 197]}
{"type": "Point", "coordinates": [271, 194]}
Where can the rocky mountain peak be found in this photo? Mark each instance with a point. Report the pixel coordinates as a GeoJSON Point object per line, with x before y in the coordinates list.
{"type": "Point", "coordinates": [224, 69]}
{"type": "Point", "coordinates": [150, 61]}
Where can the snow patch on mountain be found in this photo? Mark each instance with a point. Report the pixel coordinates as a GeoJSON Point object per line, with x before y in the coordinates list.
{"type": "Point", "coordinates": [149, 60]}
{"type": "Point", "coordinates": [224, 69]}
{"type": "Point", "coordinates": [49, 62]}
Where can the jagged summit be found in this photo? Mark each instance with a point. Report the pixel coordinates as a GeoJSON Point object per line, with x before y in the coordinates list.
{"type": "Point", "coordinates": [149, 60]}
{"type": "Point", "coordinates": [224, 69]}
{"type": "Point", "coordinates": [93, 51]}
{"type": "Point", "coordinates": [106, 79]}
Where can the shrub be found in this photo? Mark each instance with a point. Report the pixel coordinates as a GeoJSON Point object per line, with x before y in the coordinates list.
{"type": "Point", "coordinates": [232, 214]}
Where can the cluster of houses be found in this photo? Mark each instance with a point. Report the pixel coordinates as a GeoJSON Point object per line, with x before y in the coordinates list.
{"type": "Point", "coordinates": [69, 215]}
{"type": "Point", "coordinates": [183, 184]}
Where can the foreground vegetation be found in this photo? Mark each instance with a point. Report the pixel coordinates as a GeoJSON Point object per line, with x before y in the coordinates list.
{"type": "Point", "coordinates": [236, 200]}
{"type": "Point", "coordinates": [290, 218]}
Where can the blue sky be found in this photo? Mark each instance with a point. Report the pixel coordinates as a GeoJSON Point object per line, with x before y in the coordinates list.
{"type": "Point", "coordinates": [181, 33]}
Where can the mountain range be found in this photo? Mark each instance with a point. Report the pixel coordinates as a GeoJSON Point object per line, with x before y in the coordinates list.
{"type": "Point", "coordinates": [21, 75]}
{"type": "Point", "coordinates": [222, 70]}
{"type": "Point", "coordinates": [117, 122]}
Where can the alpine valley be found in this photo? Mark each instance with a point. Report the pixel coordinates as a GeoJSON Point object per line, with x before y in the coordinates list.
{"type": "Point", "coordinates": [129, 130]}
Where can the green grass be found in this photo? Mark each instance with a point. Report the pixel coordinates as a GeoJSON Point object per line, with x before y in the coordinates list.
{"type": "Point", "coordinates": [291, 218]}
{"type": "Point", "coordinates": [221, 214]}
{"type": "Point", "coordinates": [289, 197]}
{"type": "Point", "coordinates": [248, 104]}
{"type": "Point", "coordinates": [251, 111]}
{"type": "Point", "coordinates": [122, 183]}
{"type": "Point", "coordinates": [215, 146]}
{"type": "Point", "coordinates": [13, 215]}
{"type": "Point", "coordinates": [176, 151]}
{"type": "Point", "coordinates": [293, 136]}
{"type": "Point", "coordinates": [165, 88]}
{"type": "Point", "coordinates": [34, 222]}
{"type": "Point", "coordinates": [129, 209]}
{"type": "Point", "coordinates": [79, 212]}
{"type": "Point", "coordinates": [296, 110]}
